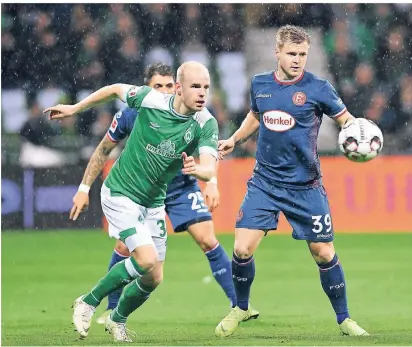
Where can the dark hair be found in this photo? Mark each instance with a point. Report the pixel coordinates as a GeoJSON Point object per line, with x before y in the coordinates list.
{"type": "Point", "coordinates": [156, 69]}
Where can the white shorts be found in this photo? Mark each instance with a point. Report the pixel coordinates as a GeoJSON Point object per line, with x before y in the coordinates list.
{"type": "Point", "coordinates": [134, 224]}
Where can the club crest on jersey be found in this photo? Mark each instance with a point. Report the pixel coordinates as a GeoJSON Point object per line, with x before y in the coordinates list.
{"type": "Point", "coordinates": [299, 98]}
{"type": "Point", "coordinates": [188, 136]}
{"type": "Point", "coordinates": [165, 149]}
{"type": "Point", "coordinates": [132, 92]}
{"type": "Point", "coordinates": [278, 121]}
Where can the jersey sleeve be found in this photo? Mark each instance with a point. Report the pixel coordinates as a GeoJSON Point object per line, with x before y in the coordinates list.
{"type": "Point", "coordinates": [253, 105]}
{"type": "Point", "coordinates": [118, 128]}
{"type": "Point", "coordinates": [330, 102]}
{"type": "Point", "coordinates": [135, 96]}
{"type": "Point", "coordinates": [209, 138]}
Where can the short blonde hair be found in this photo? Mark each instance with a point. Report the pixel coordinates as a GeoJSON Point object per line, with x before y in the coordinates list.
{"type": "Point", "coordinates": [291, 33]}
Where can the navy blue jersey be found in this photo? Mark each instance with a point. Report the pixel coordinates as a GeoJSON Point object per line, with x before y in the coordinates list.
{"type": "Point", "coordinates": [290, 116]}
{"type": "Point", "coordinates": [121, 127]}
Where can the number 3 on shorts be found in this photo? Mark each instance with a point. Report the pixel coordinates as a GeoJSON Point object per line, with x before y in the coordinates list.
{"type": "Point", "coordinates": [318, 226]}
{"type": "Point", "coordinates": [162, 227]}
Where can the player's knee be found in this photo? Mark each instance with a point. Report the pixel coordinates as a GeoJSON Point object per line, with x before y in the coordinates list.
{"type": "Point", "coordinates": [206, 243]}
{"type": "Point", "coordinates": [204, 235]}
{"type": "Point", "coordinates": [146, 263]}
{"type": "Point", "coordinates": [322, 252]}
{"type": "Point", "coordinates": [156, 279]}
{"type": "Point", "coordinates": [243, 251]}
{"type": "Point", "coordinates": [153, 278]}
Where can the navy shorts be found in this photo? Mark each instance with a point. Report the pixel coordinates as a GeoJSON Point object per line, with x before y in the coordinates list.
{"type": "Point", "coordinates": [187, 208]}
{"type": "Point", "coordinates": [307, 210]}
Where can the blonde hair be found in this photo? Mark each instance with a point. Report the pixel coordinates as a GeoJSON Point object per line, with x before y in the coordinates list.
{"type": "Point", "coordinates": [291, 33]}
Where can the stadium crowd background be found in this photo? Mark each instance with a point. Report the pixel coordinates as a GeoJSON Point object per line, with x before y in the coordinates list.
{"type": "Point", "coordinates": [59, 53]}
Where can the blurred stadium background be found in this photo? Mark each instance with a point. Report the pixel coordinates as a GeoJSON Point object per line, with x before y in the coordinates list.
{"type": "Point", "coordinates": [58, 53]}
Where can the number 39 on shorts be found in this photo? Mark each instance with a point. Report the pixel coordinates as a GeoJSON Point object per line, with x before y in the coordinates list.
{"type": "Point", "coordinates": [320, 222]}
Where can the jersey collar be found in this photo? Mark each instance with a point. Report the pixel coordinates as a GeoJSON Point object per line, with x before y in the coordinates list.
{"type": "Point", "coordinates": [178, 115]}
{"type": "Point", "coordinates": [288, 82]}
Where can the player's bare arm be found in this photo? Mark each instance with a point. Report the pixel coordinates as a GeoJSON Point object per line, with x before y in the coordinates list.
{"type": "Point", "coordinates": [341, 120]}
{"type": "Point", "coordinates": [211, 192]}
{"type": "Point", "coordinates": [103, 95]}
{"type": "Point", "coordinates": [249, 126]}
{"type": "Point", "coordinates": [97, 160]}
{"type": "Point", "coordinates": [203, 171]}
{"type": "Point", "coordinates": [93, 169]}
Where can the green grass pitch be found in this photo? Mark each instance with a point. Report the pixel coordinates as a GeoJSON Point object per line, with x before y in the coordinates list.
{"type": "Point", "coordinates": [43, 272]}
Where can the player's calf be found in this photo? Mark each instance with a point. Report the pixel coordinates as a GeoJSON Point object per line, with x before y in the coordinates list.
{"type": "Point", "coordinates": [136, 293]}
{"type": "Point", "coordinates": [120, 253]}
{"type": "Point", "coordinates": [123, 273]}
{"type": "Point", "coordinates": [203, 234]}
{"type": "Point", "coordinates": [331, 277]}
{"type": "Point", "coordinates": [243, 263]}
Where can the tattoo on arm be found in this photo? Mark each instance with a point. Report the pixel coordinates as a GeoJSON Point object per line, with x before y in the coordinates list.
{"type": "Point", "coordinates": [97, 160]}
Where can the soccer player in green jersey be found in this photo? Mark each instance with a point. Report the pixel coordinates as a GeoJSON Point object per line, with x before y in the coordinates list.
{"type": "Point", "coordinates": [169, 127]}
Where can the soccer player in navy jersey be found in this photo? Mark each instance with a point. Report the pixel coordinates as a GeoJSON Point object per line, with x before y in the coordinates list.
{"type": "Point", "coordinates": [185, 204]}
{"type": "Point", "coordinates": [287, 105]}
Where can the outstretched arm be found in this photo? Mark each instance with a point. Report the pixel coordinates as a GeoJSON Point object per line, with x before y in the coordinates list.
{"type": "Point", "coordinates": [93, 169]}
{"type": "Point", "coordinates": [249, 126]}
{"type": "Point", "coordinates": [97, 160]}
{"type": "Point", "coordinates": [103, 95]}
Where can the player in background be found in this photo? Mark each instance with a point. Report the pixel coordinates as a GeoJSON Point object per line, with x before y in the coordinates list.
{"type": "Point", "coordinates": [184, 200]}
{"type": "Point", "coordinates": [287, 105]}
{"type": "Point", "coordinates": [133, 194]}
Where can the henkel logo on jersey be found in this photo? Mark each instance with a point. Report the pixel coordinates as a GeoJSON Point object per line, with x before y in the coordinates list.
{"type": "Point", "coordinates": [278, 121]}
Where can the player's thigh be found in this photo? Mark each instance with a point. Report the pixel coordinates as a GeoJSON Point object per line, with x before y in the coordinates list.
{"type": "Point", "coordinates": [204, 235]}
{"type": "Point", "coordinates": [259, 210]}
{"type": "Point", "coordinates": [308, 212]}
{"type": "Point", "coordinates": [127, 221]}
{"type": "Point", "coordinates": [187, 209]}
{"type": "Point", "coordinates": [247, 241]}
{"type": "Point", "coordinates": [156, 228]}
{"type": "Point", "coordinates": [155, 276]}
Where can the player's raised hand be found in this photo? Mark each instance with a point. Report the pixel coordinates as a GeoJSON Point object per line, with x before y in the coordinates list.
{"type": "Point", "coordinates": [189, 164]}
{"type": "Point", "coordinates": [226, 146]}
{"type": "Point", "coordinates": [60, 111]}
{"type": "Point", "coordinates": [80, 204]}
{"type": "Point", "coordinates": [211, 195]}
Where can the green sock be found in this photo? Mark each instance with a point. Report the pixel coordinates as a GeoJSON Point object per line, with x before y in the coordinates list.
{"type": "Point", "coordinates": [134, 295]}
{"type": "Point", "coordinates": [118, 276]}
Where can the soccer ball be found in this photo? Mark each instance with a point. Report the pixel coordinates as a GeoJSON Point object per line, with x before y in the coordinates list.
{"type": "Point", "coordinates": [360, 140]}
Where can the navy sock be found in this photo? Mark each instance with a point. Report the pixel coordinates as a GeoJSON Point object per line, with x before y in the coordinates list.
{"type": "Point", "coordinates": [113, 297]}
{"type": "Point", "coordinates": [334, 285]}
{"type": "Point", "coordinates": [222, 271]}
{"type": "Point", "coordinates": [243, 273]}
